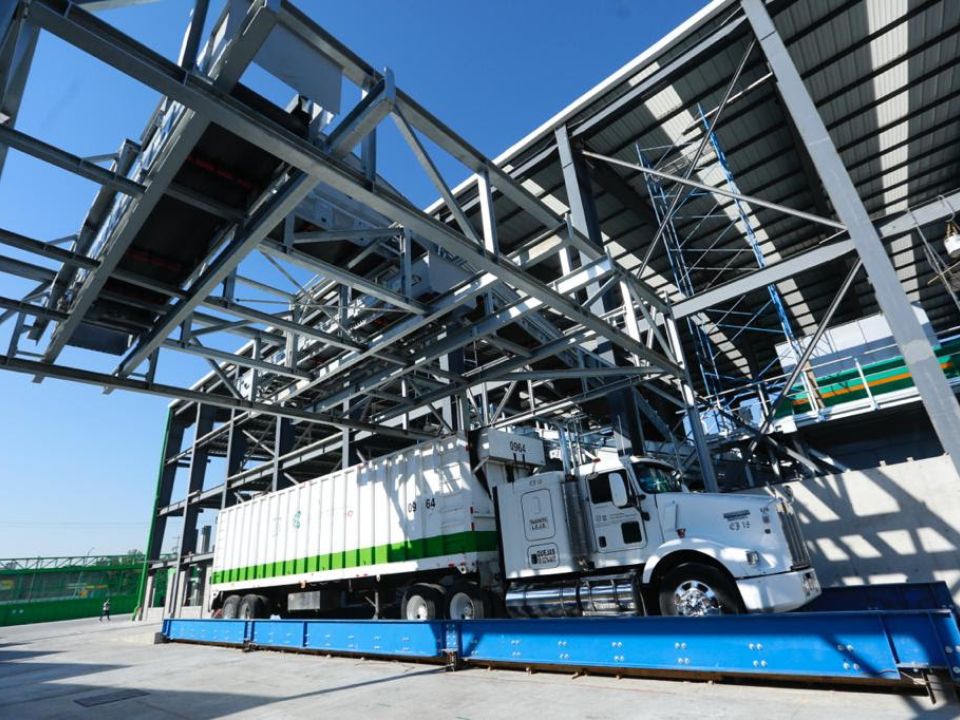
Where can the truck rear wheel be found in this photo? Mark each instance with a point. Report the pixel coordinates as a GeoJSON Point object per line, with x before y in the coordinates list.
{"type": "Point", "coordinates": [421, 602]}
{"type": "Point", "coordinates": [467, 602]}
{"type": "Point", "coordinates": [252, 607]}
{"type": "Point", "coordinates": [695, 590]}
{"type": "Point", "coordinates": [231, 607]}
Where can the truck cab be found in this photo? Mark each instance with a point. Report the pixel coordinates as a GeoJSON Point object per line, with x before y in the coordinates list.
{"type": "Point", "coordinates": [622, 535]}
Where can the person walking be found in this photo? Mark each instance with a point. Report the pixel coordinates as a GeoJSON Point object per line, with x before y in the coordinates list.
{"type": "Point", "coordinates": [105, 611]}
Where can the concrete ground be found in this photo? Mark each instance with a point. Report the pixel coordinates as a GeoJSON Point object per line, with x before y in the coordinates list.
{"type": "Point", "coordinates": [82, 669]}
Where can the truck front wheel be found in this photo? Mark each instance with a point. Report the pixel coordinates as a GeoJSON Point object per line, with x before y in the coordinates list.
{"type": "Point", "coordinates": [695, 590]}
{"type": "Point", "coordinates": [421, 602]}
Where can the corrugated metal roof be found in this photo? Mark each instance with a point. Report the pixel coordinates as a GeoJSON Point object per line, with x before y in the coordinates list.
{"type": "Point", "coordinates": [884, 75]}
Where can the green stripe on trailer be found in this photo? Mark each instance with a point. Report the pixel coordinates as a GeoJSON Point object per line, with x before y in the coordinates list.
{"type": "Point", "coordinates": [419, 549]}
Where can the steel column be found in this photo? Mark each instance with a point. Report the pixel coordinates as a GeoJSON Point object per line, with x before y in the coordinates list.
{"type": "Point", "coordinates": [18, 40]}
{"type": "Point", "coordinates": [932, 385]}
{"type": "Point", "coordinates": [236, 452]}
{"type": "Point", "coordinates": [172, 441]}
{"type": "Point", "coordinates": [282, 444]}
{"type": "Point", "coordinates": [625, 417]}
{"type": "Point", "coordinates": [693, 414]}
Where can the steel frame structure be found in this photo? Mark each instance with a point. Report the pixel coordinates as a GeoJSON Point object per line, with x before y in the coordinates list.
{"type": "Point", "coordinates": [500, 305]}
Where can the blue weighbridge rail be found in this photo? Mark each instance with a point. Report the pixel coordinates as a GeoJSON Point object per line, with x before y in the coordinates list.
{"type": "Point", "coordinates": [851, 634]}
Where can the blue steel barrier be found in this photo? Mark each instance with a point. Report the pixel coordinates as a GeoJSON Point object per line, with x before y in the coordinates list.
{"type": "Point", "coordinates": [916, 629]}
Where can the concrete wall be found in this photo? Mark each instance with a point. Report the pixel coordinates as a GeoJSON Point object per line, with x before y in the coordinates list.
{"type": "Point", "coordinates": [893, 523]}
{"type": "Point", "coordinates": [190, 611]}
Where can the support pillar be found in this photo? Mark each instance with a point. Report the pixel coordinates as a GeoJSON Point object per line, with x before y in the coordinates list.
{"type": "Point", "coordinates": [931, 383]}
{"type": "Point", "coordinates": [456, 411]}
{"type": "Point", "coordinates": [197, 473]}
{"type": "Point", "coordinates": [146, 601]}
{"type": "Point", "coordinates": [172, 442]}
{"type": "Point", "coordinates": [625, 417]}
{"type": "Point", "coordinates": [282, 444]}
{"type": "Point", "coordinates": [693, 415]}
{"type": "Point", "coordinates": [236, 451]}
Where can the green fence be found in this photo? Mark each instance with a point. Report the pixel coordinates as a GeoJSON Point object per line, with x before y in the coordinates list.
{"type": "Point", "coordinates": [62, 588]}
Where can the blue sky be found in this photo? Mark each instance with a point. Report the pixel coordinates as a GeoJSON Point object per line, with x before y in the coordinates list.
{"type": "Point", "coordinates": [78, 467]}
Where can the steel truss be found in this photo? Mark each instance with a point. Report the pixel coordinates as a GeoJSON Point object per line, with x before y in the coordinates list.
{"type": "Point", "coordinates": [369, 355]}
{"type": "Point", "coordinates": [501, 305]}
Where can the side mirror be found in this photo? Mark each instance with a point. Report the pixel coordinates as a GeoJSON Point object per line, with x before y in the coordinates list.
{"type": "Point", "coordinates": [618, 490]}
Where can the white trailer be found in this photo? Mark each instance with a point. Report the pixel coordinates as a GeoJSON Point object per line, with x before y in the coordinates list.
{"type": "Point", "coordinates": [450, 529]}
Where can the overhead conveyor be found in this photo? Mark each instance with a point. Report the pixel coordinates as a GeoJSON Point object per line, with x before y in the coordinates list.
{"type": "Point", "coordinates": [896, 635]}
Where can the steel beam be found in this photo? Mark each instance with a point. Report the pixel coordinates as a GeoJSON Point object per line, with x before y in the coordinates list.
{"type": "Point", "coordinates": [18, 41]}
{"type": "Point", "coordinates": [26, 270]}
{"type": "Point", "coordinates": [191, 38]}
{"type": "Point", "coordinates": [758, 279]}
{"type": "Point", "coordinates": [932, 385]}
{"type": "Point", "coordinates": [69, 162]}
{"type": "Point", "coordinates": [362, 73]}
{"type": "Point", "coordinates": [584, 372]}
{"type": "Point", "coordinates": [282, 201]}
{"type": "Point", "coordinates": [426, 162]}
{"type": "Point", "coordinates": [448, 342]}
{"type": "Point", "coordinates": [250, 37]}
{"type": "Point", "coordinates": [195, 477]}
{"type": "Point", "coordinates": [330, 271]}
{"type": "Point", "coordinates": [196, 396]}
{"type": "Point", "coordinates": [87, 33]}
{"type": "Point", "coordinates": [364, 118]}
{"type": "Point", "coordinates": [319, 236]}
{"type": "Point", "coordinates": [476, 377]}
{"type": "Point", "coordinates": [253, 315]}
{"type": "Point", "coordinates": [720, 191]}
{"type": "Point", "coordinates": [234, 358]}
{"type": "Point", "coordinates": [659, 78]}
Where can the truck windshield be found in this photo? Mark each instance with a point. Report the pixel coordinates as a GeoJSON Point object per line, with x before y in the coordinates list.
{"type": "Point", "coordinates": [656, 479]}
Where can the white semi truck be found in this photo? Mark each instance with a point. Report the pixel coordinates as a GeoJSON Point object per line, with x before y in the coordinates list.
{"type": "Point", "coordinates": [451, 529]}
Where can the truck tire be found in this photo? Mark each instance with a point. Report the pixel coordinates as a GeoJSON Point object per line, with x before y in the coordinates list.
{"type": "Point", "coordinates": [466, 601]}
{"type": "Point", "coordinates": [231, 607]}
{"type": "Point", "coordinates": [695, 590]}
{"type": "Point", "coordinates": [421, 602]}
{"type": "Point", "coordinates": [252, 608]}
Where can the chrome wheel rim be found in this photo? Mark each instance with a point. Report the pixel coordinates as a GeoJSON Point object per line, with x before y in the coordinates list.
{"type": "Point", "coordinates": [694, 598]}
{"type": "Point", "coordinates": [417, 608]}
{"type": "Point", "coordinates": [461, 607]}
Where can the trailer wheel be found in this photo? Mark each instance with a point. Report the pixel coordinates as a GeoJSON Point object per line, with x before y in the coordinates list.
{"type": "Point", "coordinates": [695, 590]}
{"type": "Point", "coordinates": [252, 607]}
{"type": "Point", "coordinates": [467, 602]}
{"type": "Point", "coordinates": [421, 602]}
{"type": "Point", "coordinates": [231, 607]}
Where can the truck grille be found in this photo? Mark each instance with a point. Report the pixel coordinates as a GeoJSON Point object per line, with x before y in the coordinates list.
{"type": "Point", "coordinates": [791, 530]}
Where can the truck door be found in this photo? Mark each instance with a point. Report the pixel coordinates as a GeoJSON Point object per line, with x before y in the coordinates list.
{"type": "Point", "coordinates": [617, 524]}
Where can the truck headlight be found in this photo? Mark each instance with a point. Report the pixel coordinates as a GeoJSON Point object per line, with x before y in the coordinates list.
{"type": "Point", "coordinates": [753, 558]}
